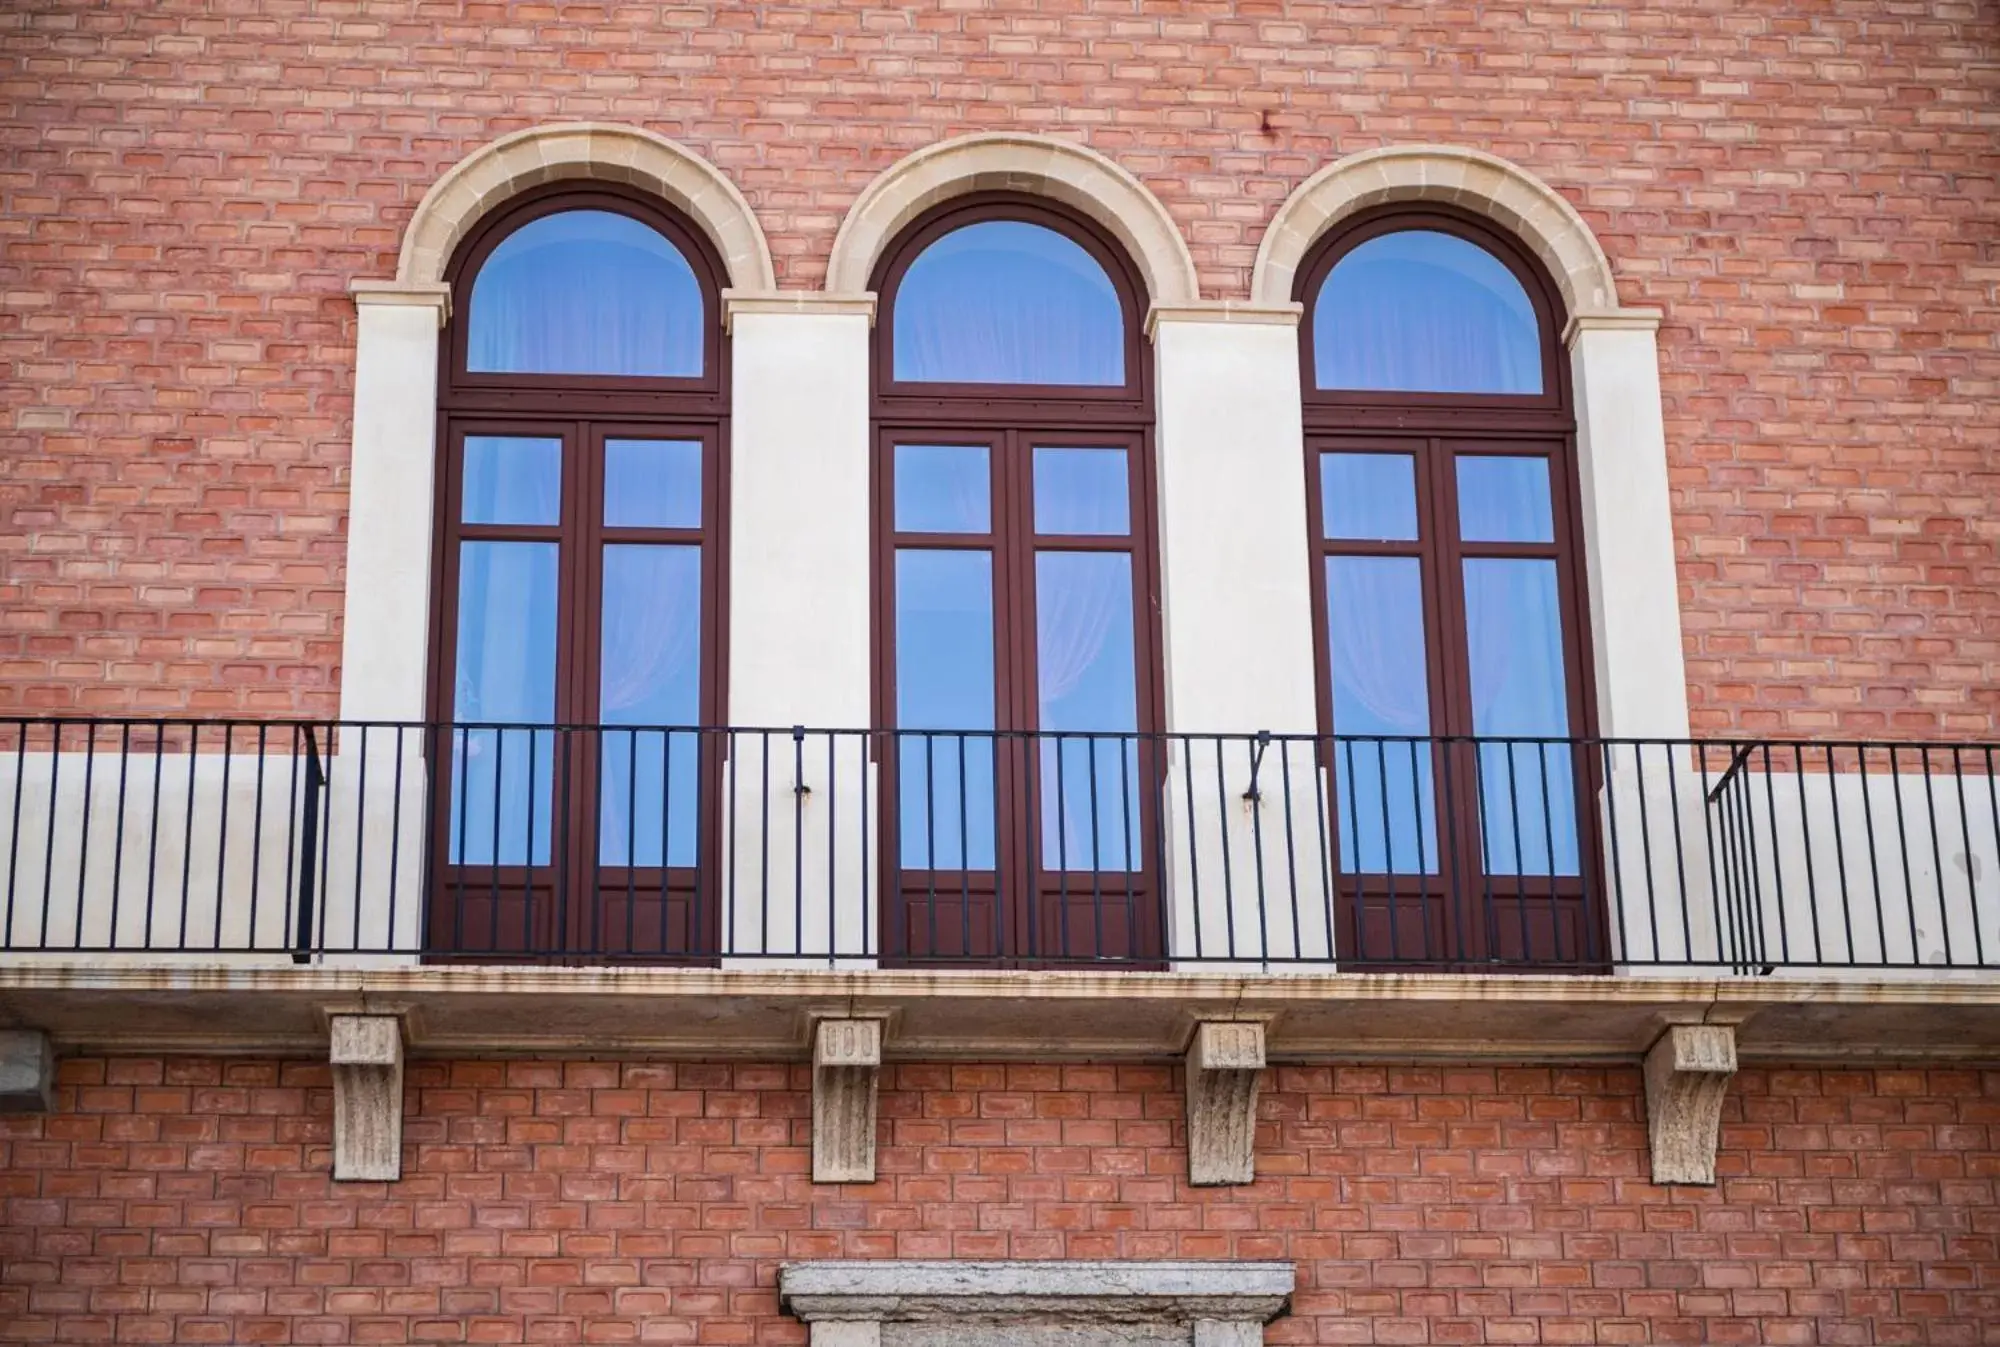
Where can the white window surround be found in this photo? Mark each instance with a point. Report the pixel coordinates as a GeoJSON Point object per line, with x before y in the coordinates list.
{"type": "Point", "coordinates": [891, 1303]}
{"type": "Point", "coordinates": [1228, 426]}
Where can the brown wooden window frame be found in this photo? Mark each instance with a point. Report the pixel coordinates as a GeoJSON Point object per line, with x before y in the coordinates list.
{"type": "Point", "coordinates": [1059, 916]}
{"type": "Point", "coordinates": [576, 907]}
{"type": "Point", "coordinates": [1460, 916]}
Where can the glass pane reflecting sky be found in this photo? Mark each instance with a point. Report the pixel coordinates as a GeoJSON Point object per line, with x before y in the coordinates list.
{"type": "Point", "coordinates": [1008, 302]}
{"type": "Point", "coordinates": [586, 292]}
{"type": "Point", "coordinates": [1425, 312]}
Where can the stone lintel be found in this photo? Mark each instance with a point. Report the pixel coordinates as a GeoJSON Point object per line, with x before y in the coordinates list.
{"type": "Point", "coordinates": [1687, 1075]}
{"type": "Point", "coordinates": [1223, 1065]}
{"type": "Point", "coordinates": [847, 1066]}
{"type": "Point", "coordinates": [27, 1071]}
{"type": "Point", "coordinates": [366, 1053]}
{"type": "Point", "coordinates": [1071, 1293]}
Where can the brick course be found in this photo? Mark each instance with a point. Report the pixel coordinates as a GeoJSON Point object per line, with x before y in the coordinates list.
{"type": "Point", "coordinates": [187, 187]}
{"type": "Point", "coordinates": [187, 1200]}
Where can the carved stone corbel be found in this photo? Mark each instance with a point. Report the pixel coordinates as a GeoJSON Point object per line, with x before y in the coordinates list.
{"type": "Point", "coordinates": [1687, 1075]}
{"type": "Point", "coordinates": [847, 1065]}
{"type": "Point", "coordinates": [366, 1053]}
{"type": "Point", "coordinates": [27, 1071]}
{"type": "Point", "coordinates": [1223, 1064]}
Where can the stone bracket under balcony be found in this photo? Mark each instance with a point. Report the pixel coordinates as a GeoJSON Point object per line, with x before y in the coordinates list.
{"type": "Point", "coordinates": [765, 1013]}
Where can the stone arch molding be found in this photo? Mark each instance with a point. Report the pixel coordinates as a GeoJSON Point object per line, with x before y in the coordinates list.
{"type": "Point", "coordinates": [1486, 184]}
{"type": "Point", "coordinates": [1046, 166]}
{"type": "Point", "coordinates": [599, 151]}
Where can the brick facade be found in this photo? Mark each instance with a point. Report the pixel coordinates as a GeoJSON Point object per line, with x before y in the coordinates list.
{"type": "Point", "coordinates": [188, 186]}
{"type": "Point", "coordinates": [187, 1200]}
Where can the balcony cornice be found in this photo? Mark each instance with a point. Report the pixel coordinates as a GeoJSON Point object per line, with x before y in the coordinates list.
{"type": "Point", "coordinates": [764, 1013]}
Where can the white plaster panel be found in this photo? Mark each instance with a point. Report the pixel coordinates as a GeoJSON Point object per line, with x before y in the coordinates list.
{"type": "Point", "coordinates": [1237, 617]}
{"type": "Point", "coordinates": [799, 585]}
{"type": "Point", "coordinates": [384, 634]}
{"type": "Point", "coordinates": [1628, 532]}
{"type": "Point", "coordinates": [799, 520]}
{"type": "Point", "coordinates": [1233, 547]}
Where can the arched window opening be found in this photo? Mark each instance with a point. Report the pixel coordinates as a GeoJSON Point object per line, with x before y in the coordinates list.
{"type": "Point", "coordinates": [1008, 302]}
{"type": "Point", "coordinates": [1450, 596]}
{"type": "Point", "coordinates": [1424, 311]}
{"type": "Point", "coordinates": [579, 514]}
{"type": "Point", "coordinates": [586, 292]}
{"type": "Point", "coordinates": [1018, 650]}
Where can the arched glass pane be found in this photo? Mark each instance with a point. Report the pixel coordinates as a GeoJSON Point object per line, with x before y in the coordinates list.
{"type": "Point", "coordinates": [1425, 312]}
{"type": "Point", "coordinates": [1007, 302]}
{"type": "Point", "coordinates": [586, 292]}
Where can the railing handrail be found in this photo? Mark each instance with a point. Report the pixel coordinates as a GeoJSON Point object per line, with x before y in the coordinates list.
{"type": "Point", "coordinates": [313, 836]}
{"type": "Point", "coordinates": [1738, 746]}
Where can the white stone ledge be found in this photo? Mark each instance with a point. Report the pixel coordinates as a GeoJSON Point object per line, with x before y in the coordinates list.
{"type": "Point", "coordinates": [764, 1014]}
{"type": "Point", "coordinates": [1126, 1292]}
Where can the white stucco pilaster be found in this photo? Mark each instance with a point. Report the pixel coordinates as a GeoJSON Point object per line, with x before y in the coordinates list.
{"type": "Point", "coordinates": [1237, 614]}
{"type": "Point", "coordinates": [383, 639]}
{"type": "Point", "coordinates": [799, 518]}
{"type": "Point", "coordinates": [1233, 549]}
{"type": "Point", "coordinates": [1628, 525]}
{"type": "Point", "coordinates": [799, 586]}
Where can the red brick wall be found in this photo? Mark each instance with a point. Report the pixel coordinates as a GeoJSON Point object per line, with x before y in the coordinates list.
{"type": "Point", "coordinates": [1808, 191]}
{"type": "Point", "coordinates": [187, 1200]}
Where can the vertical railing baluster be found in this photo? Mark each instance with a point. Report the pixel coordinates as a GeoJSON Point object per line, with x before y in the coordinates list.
{"type": "Point", "coordinates": [256, 844]}
{"type": "Point", "coordinates": [315, 785]}
{"type": "Point", "coordinates": [799, 789]}
{"type": "Point", "coordinates": [1194, 845]}
{"type": "Point", "coordinates": [14, 829]}
{"type": "Point", "coordinates": [832, 848]}
{"type": "Point", "coordinates": [1840, 852]}
{"type": "Point", "coordinates": [118, 826]}
{"type": "Point", "coordinates": [1451, 864]}
{"type": "Point", "coordinates": [1615, 881]}
{"type": "Point", "coordinates": [1291, 847]}
{"type": "Point", "coordinates": [49, 846]}
{"type": "Point", "coordinates": [964, 859]}
{"type": "Point", "coordinates": [1228, 868]}
{"type": "Point", "coordinates": [1680, 854]}
{"type": "Point", "coordinates": [1937, 853]}
{"type": "Point", "coordinates": [83, 844]}
{"type": "Point", "coordinates": [1388, 850]}
{"type": "Point", "coordinates": [1903, 847]}
{"type": "Point", "coordinates": [395, 845]}
{"type": "Point", "coordinates": [1777, 866]}
{"type": "Point", "coordinates": [1326, 865]}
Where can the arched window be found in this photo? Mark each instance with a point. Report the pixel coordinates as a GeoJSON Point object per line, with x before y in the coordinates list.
{"type": "Point", "coordinates": [1017, 614]}
{"type": "Point", "coordinates": [579, 509]}
{"type": "Point", "coordinates": [1449, 593]}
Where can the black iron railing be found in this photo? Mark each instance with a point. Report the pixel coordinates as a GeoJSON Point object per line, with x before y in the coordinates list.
{"type": "Point", "coordinates": [316, 841]}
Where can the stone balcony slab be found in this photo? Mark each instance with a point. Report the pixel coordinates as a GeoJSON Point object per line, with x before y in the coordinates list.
{"type": "Point", "coordinates": [766, 1013]}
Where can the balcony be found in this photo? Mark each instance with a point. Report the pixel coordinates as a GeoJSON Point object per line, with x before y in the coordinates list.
{"type": "Point", "coordinates": [759, 866]}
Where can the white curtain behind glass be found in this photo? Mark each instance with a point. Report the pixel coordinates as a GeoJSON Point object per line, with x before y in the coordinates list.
{"type": "Point", "coordinates": [1007, 302]}
{"type": "Point", "coordinates": [586, 292]}
{"type": "Point", "coordinates": [1420, 311]}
